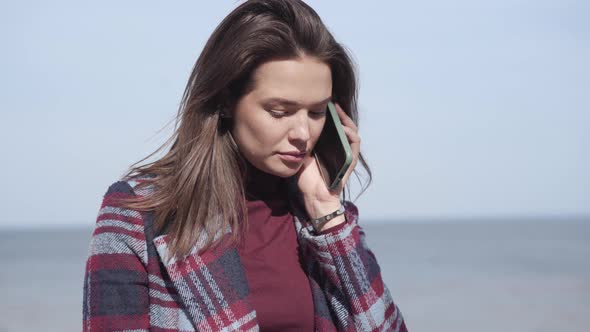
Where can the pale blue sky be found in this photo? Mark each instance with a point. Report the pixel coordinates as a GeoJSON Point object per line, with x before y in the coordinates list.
{"type": "Point", "coordinates": [468, 108]}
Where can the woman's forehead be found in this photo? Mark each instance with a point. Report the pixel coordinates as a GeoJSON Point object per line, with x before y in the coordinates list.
{"type": "Point", "coordinates": [293, 83]}
{"type": "Point", "coordinates": [294, 103]}
{"type": "Point", "coordinates": [293, 71]}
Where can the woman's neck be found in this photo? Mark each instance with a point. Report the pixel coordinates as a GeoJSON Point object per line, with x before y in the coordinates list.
{"type": "Point", "coordinates": [262, 185]}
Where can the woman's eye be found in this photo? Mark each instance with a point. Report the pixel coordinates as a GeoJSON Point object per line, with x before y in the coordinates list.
{"type": "Point", "coordinates": [277, 114]}
{"type": "Point", "coordinates": [320, 113]}
{"type": "Point", "coordinates": [280, 114]}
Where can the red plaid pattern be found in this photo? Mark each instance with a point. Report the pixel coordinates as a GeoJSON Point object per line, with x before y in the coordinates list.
{"type": "Point", "coordinates": [132, 284]}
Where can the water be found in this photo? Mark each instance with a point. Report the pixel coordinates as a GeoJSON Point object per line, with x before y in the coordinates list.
{"type": "Point", "coordinates": [481, 276]}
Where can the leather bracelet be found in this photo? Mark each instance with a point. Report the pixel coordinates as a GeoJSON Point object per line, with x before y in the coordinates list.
{"type": "Point", "coordinates": [321, 221]}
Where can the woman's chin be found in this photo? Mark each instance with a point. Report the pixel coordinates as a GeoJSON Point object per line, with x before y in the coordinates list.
{"type": "Point", "coordinates": [286, 170]}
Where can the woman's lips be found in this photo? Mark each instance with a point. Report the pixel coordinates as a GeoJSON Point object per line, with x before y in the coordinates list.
{"type": "Point", "coordinates": [290, 157]}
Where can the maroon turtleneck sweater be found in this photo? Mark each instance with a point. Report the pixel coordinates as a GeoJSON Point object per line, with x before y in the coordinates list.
{"type": "Point", "coordinates": [279, 287]}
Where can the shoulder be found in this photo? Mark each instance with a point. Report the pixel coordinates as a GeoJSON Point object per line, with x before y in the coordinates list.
{"type": "Point", "coordinates": [123, 188]}
{"type": "Point", "coordinates": [131, 186]}
{"type": "Point", "coordinates": [121, 230]}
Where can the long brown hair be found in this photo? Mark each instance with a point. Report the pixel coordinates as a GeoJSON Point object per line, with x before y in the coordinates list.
{"type": "Point", "coordinates": [199, 181]}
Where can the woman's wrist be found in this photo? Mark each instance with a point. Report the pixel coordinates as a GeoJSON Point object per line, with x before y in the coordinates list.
{"type": "Point", "coordinates": [324, 216]}
{"type": "Point", "coordinates": [332, 223]}
{"type": "Point", "coordinates": [319, 209]}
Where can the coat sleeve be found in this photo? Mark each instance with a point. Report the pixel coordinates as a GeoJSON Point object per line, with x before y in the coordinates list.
{"type": "Point", "coordinates": [116, 280]}
{"type": "Point", "coordinates": [351, 277]}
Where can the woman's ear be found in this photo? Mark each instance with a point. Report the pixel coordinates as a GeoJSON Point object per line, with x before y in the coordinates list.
{"type": "Point", "coordinates": [224, 104]}
{"type": "Point", "coordinates": [224, 112]}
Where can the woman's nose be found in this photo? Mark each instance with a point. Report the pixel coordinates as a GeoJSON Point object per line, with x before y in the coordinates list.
{"type": "Point", "coordinates": [300, 129]}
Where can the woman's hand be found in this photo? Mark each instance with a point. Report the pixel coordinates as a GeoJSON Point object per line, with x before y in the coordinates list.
{"type": "Point", "coordinates": [320, 201]}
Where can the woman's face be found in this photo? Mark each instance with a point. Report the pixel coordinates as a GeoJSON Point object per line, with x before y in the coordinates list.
{"type": "Point", "coordinates": [266, 126]}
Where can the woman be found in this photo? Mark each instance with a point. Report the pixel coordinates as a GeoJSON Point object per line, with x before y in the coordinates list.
{"type": "Point", "coordinates": [216, 234]}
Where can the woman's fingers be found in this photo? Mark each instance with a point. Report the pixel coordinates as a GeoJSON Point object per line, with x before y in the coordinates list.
{"type": "Point", "coordinates": [351, 131]}
{"type": "Point", "coordinates": [344, 118]}
{"type": "Point", "coordinates": [355, 141]}
{"type": "Point", "coordinates": [353, 137]}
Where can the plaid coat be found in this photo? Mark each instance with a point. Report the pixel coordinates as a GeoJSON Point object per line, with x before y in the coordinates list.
{"type": "Point", "coordinates": [131, 285]}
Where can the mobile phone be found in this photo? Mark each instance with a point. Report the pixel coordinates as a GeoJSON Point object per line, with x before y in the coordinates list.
{"type": "Point", "coordinates": [332, 151]}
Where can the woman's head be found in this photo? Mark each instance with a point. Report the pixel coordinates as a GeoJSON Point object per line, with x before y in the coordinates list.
{"type": "Point", "coordinates": [284, 112]}
{"type": "Point", "coordinates": [272, 49]}
{"type": "Point", "coordinates": [263, 49]}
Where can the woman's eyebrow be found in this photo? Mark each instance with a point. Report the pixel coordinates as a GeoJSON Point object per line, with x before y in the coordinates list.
{"type": "Point", "coordinates": [287, 102]}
